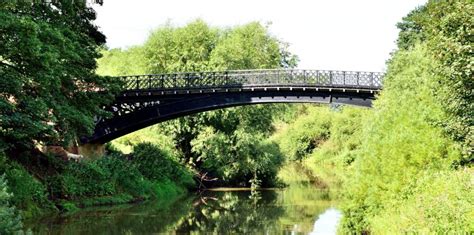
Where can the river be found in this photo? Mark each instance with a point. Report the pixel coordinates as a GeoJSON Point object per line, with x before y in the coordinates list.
{"type": "Point", "coordinates": [301, 208]}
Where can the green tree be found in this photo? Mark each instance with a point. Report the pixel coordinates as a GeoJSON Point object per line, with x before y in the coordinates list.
{"type": "Point", "coordinates": [48, 86]}
{"type": "Point", "coordinates": [247, 47]}
{"type": "Point", "coordinates": [451, 42]}
{"type": "Point", "coordinates": [158, 165]}
{"type": "Point", "coordinates": [239, 157]}
{"type": "Point", "coordinates": [401, 143]}
{"type": "Point", "coordinates": [411, 28]}
{"type": "Point", "coordinates": [180, 49]}
{"type": "Point", "coordinates": [121, 62]}
{"type": "Point", "coordinates": [447, 28]}
{"type": "Point", "coordinates": [402, 179]}
{"type": "Point", "coordinates": [306, 133]}
{"type": "Point", "coordinates": [199, 47]}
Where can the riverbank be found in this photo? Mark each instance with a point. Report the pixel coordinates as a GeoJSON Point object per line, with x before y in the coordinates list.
{"type": "Point", "coordinates": [355, 152]}
{"type": "Point", "coordinates": [295, 208]}
{"type": "Point", "coordinates": [42, 184]}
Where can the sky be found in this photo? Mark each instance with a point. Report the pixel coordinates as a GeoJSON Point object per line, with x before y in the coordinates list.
{"type": "Point", "coordinates": [324, 34]}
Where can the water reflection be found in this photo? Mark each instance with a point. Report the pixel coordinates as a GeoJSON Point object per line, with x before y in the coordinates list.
{"type": "Point", "coordinates": [293, 210]}
{"type": "Point", "coordinates": [327, 222]}
{"type": "Point", "coordinates": [235, 212]}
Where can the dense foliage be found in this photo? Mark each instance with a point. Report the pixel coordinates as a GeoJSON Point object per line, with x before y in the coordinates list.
{"type": "Point", "coordinates": [239, 158]}
{"type": "Point", "coordinates": [30, 195]}
{"type": "Point", "coordinates": [402, 149]}
{"type": "Point", "coordinates": [405, 165]}
{"type": "Point", "coordinates": [446, 27]}
{"type": "Point", "coordinates": [112, 179]}
{"type": "Point", "coordinates": [49, 94]}
{"type": "Point", "coordinates": [230, 143]}
{"type": "Point", "coordinates": [306, 133]}
{"type": "Point", "coordinates": [409, 166]}
{"type": "Point", "coordinates": [324, 139]}
{"type": "Point", "coordinates": [9, 218]}
{"type": "Point", "coordinates": [48, 85]}
{"type": "Point", "coordinates": [159, 165]}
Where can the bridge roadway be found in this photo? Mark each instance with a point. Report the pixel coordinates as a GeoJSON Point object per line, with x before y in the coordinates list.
{"type": "Point", "coordinates": [149, 99]}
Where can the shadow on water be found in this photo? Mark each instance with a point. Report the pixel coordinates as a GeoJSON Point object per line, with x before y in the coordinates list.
{"type": "Point", "coordinates": [292, 210]}
{"type": "Point", "coordinates": [143, 218]}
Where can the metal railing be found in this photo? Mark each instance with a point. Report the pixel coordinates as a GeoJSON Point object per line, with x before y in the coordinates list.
{"type": "Point", "coordinates": [254, 78]}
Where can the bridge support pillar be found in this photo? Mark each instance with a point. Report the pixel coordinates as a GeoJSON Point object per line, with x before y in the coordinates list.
{"type": "Point", "coordinates": [92, 151]}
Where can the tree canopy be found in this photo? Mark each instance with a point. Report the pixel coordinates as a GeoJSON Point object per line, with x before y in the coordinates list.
{"type": "Point", "coordinates": [49, 91]}
{"type": "Point", "coordinates": [447, 28]}
{"type": "Point", "coordinates": [227, 143]}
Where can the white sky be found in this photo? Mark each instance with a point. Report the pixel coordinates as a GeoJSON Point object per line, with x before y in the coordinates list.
{"type": "Point", "coordinates": [325, 34]}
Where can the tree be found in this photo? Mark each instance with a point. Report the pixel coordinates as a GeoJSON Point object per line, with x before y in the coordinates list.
{"type": "Point", "coordinates": [411, 28]}
{"type": "Point", "coordinates": [188, 48]}
{"type": "Point", "coordinates": [49, 92]}
{"type": "Point", "coordinates": [412, 168]}
{"type": "Point", "coordinates": [446, 26]}
{"type": "Point", "coordinates": [200, 47]}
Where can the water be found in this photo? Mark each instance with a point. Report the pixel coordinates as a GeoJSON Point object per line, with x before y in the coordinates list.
{"type": "Point", "coordinates": [300, 208]}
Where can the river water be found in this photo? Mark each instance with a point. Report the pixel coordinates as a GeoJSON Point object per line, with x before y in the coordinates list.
{"type": "Point", "coordinates": [300, 208]}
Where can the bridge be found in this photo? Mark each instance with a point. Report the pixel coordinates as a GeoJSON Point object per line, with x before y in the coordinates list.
{"type": "Point", "coordinates": [149, 99]}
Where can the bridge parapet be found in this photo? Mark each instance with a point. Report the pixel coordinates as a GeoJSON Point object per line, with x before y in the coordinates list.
{"type": "Point", "coordinates": [254, 78]}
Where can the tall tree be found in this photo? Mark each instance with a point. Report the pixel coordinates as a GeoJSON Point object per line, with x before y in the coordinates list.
{"type": "Point", "coordinates": [447, 28]}
{"type": "Point", "coordinates": [199, 47]}
{"type": "Point", "coordinates": [49, 92]}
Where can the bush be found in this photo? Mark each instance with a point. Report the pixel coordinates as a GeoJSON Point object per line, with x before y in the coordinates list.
{"type": "Point", "coordinates": [84, 179]}
{"type": "Point", "coordinates": [10, 221]}
{"type": "Point", "coordinates": [307, 133]}
{"type": "Point", "coordinates": [125, 176]}
{"type": "Point", "coordinates": [106, 176]}
{"type": "Point", "coordinates": [237, 158]}
{"type": "Point", "coordinates": [158, 165]}
{"type": "Point", "coordinates": [439, 202]}
{"type": "Point", "coordinates": [31, 196]}
{"type": "Point", "coordinates": [400, 143]}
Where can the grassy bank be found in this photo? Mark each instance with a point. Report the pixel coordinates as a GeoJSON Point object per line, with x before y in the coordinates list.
{"type": "Point", "coordinates": [50, 185]}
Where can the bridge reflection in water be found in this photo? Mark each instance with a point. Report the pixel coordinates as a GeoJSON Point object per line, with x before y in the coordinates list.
{"type": "Point", "coordinates": [149, 99]}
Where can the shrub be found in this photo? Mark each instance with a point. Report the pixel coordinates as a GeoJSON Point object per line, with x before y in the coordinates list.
{"type": "Point", "coordinates": [31, 196]}
{"type": "Point", "coordinates": [106, 176]}
{"type": "Point", "coordinates": [10, 221]}
{"type": "Point", "coordinates": [308, 132]}
{"type": "Point", "coordinates": [158, 165]}
{"type": "Point", "coordinates": [400, 143]}
{"type": "Point", "coordinates": [237, 158]}
{"type": "Point", "coordinates": [84, 179]}
{"type": "Point", "coordinates": [438, 202]}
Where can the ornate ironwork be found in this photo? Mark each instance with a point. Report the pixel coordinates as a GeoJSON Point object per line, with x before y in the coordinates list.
{"type": "Point", "coordinates": [149, 99]}
{"type": "Point", "coordinates": [248, 78]}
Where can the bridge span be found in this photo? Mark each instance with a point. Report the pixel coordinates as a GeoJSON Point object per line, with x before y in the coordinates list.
{"type": "Point", "coordinates": [149, 99]}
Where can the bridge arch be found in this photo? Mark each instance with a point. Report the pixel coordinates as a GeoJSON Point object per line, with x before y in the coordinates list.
{"type": "Point", "coordinates": [150, 99]}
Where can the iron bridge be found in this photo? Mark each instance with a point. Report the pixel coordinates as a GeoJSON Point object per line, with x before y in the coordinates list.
{"type": "Point", "coordinates": [149, 99]}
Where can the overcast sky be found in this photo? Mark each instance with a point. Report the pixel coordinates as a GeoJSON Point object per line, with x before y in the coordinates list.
{"type": "Point", "coordinates": [325, 34]}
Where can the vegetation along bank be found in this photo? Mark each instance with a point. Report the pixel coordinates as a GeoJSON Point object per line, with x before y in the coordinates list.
{"type": "Point", "coordinates": [403, 166]}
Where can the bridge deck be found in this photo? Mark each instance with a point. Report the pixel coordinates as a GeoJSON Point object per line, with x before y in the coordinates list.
{"type": "Point", "coordinates": [148, 99]}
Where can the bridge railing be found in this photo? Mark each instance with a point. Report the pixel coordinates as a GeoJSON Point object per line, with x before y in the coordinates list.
{"type": "Point", "coordinates": [252, 78]}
